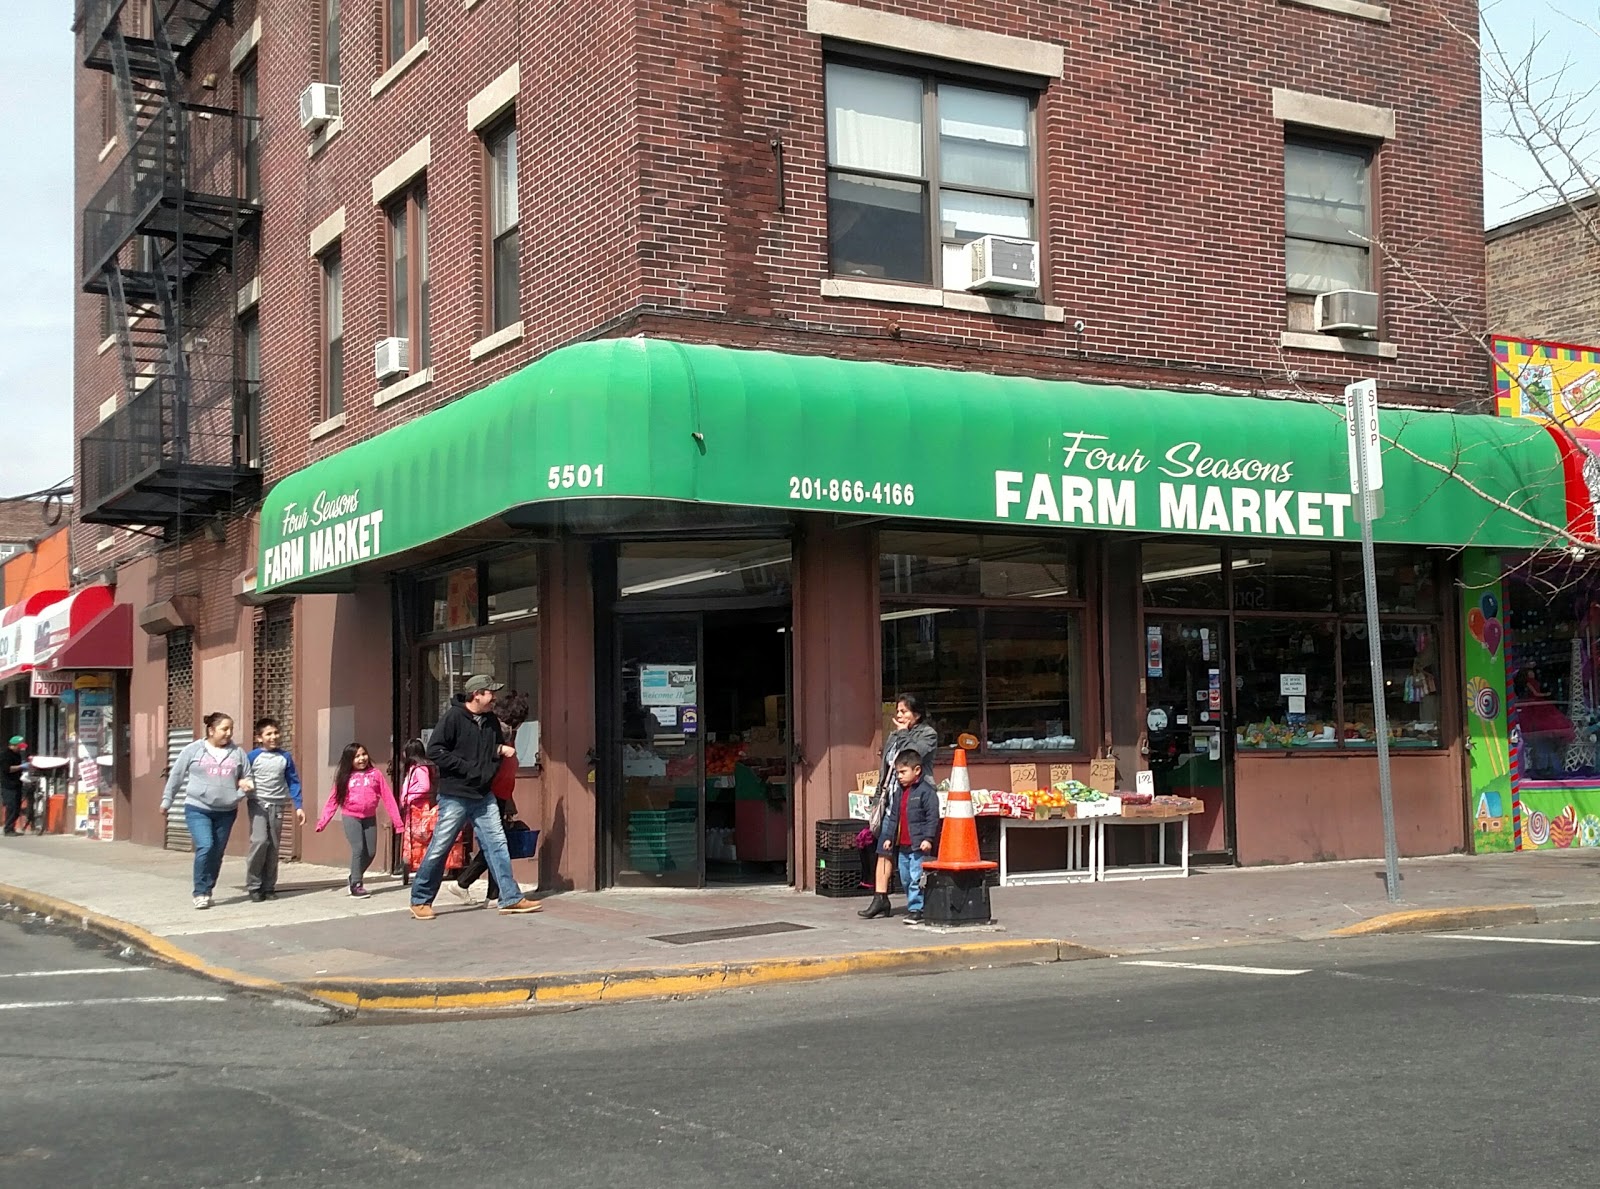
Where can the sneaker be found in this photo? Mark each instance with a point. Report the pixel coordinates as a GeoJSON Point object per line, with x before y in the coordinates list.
{"type": "Point", "coordinates": [913, 918]}
{"type": "Point", "coordinates": [460, 893]}
{"type": "Point", "coordinates": [422, 912]}
{"type": "Point", "coordinates": [257, 897]}
{"type": "Point", "coordinates": [522, 906]}
{"type": "Point", "coordinates": [360, 891]}
{"type": "Point", "coordinates": [202, 901]}
{"type": "Point", "coordinates": [269, 895]}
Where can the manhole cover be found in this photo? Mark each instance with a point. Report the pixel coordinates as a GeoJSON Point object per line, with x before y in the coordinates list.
{"type": "Point", "coordinates": [700, 935]}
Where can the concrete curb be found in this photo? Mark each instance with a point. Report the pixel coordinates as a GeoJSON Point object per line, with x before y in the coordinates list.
{"type": "Point", "coordinates": [1434, 920]}
{"type": "Point", "coordinates": [159, 948]}
{"type": "Point", "coordinates": [588, 987]}
{"type": "Point", "coordinates": [615, 986]}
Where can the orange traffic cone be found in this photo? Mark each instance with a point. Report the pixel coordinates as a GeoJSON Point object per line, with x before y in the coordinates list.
{"type": "Point", "coordinates": [958, 836]}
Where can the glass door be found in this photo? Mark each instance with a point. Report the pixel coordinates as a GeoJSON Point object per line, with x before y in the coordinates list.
{"type": "Point", "coordinates": [1188, 707]}
{"type": "Point", "coordinates": [661, 811]}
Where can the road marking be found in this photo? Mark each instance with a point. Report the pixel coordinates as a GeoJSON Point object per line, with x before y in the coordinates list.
{"type": "Point", "coordinates": [1517, 940]}
{"type": "Point", "coordinates": [117, 1002]}
{"type": "Point", "coordinates": [80, 970]}
{"type": "Point", "coordinates": [1219, 969]}
{"type": "Point", "coordinates": [1532, 996]}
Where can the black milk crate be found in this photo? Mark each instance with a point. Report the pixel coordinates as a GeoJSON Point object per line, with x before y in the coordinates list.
{"type": "Point", "coordinates": [838, 833]}
{"type": "Point", "coordinates": [839, 874]}
{"type": "Point", "coordinates": [989, 847]}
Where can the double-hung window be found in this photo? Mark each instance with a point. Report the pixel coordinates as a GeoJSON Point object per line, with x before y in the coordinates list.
{"type": "Point", "coordinates": [1327, 216]}
{"type": "Point", "coordinates": [504, 298]}
{"type": "Point", "coordinates": [332, 332]}
{"type": "Point", "coordinates": [249, 93]}
{"type": "Point", "coordinates": [920, 165]}
{"type": "Point", "coordinates": [330, 41]}
{"type": "Point", "coordinates": [408, 273]}
{"type": "Point", "coordinates": [403, 22]}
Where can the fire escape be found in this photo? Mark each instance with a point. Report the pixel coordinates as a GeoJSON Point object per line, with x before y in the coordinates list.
{"type": "Point", "coordinates": [159, 241]}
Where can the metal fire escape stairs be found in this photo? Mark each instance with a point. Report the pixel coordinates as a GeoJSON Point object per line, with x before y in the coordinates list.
{"type": "Point", "coordinates": [159, 235]}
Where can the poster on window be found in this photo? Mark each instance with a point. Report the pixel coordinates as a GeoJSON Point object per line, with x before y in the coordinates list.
{"type": "Point", "coordinates": [668, 685]}
{"type": "Point", "coordinates": [1153, 666]}
{"type": "Point", "coordinates": [461, 599]}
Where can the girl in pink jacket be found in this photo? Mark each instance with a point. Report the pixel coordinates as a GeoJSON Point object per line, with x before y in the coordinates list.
{"type": "Point", "coordinates": [358, 788]}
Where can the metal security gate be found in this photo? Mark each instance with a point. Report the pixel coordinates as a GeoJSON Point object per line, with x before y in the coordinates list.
{"type": "Point", "coordinates": [274, 695]}
{"type": "Point", "coordinates": [180, 724]}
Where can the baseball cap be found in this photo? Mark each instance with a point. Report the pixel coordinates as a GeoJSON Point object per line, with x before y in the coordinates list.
{"type": "Point", "coordinates": [16, 739]}
{"type": "Point", "coordinates": [480, 681]}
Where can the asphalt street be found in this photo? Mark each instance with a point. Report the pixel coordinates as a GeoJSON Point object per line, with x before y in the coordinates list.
{"type": "Point", "coordinates": [1392, 1061]}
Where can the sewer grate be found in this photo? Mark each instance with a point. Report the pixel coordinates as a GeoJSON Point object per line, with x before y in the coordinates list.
{"type": "Point", "coordinates": [700, 935]}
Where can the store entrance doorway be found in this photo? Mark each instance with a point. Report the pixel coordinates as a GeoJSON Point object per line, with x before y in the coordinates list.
{"type": "Point", "coordinates": [706, 781]}
{"type": "Point", "coordinates": [1188, 716]}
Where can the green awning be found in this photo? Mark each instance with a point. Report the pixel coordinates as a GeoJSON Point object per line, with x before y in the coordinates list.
{"type": "Point", "coordinates": [641, 418]}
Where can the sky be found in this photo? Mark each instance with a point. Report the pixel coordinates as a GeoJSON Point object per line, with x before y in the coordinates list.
{"type": "Point", "coordinates": [36, 210]}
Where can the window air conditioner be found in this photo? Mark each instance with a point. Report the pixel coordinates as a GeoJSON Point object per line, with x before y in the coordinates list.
{"type": "Point", "coordinates": [391, 357]}
{"type": "Point", "coordinates": [319, 104]}
{"type": "Point", "coordinates": [999, 264]}
{"type": "Point", "coordinates": [1346, 312]}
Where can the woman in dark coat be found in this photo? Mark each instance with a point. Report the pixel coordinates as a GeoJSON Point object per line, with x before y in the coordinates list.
{"type": "Point", "coordinates": [911, 730]}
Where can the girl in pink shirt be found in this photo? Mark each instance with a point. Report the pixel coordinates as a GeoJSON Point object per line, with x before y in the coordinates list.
{"type": "Point", "coordinates": [358, 788]}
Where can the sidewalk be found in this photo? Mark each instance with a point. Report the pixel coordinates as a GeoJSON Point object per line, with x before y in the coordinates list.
{"type": "Point", "coordinates": [369, 953]}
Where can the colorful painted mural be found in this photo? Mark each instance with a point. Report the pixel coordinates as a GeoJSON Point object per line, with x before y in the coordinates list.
{"type": "Point", "coordinates": [1548, 382]}
{"type": "Point", "coordinates": [1534, 755]}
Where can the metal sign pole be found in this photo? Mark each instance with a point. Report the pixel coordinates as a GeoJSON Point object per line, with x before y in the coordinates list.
{"type": "Point", "coordinates": [1366, 511]}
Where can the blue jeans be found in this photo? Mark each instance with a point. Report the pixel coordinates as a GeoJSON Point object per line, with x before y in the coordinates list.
{"type": "Point", "coordinates": [911, 878]}
{"type": "Point", "coordinates": [210, 829]}
{"type": "Point", "coordinates": [455, 812]}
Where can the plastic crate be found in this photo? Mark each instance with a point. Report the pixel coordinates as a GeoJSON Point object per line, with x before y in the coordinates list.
{"type": "Point", "coordinates": [841, 876]}
{"type": "Point", "coordinates": [838, 833]}
{"type": "Point", "coordinates": [989, 847]}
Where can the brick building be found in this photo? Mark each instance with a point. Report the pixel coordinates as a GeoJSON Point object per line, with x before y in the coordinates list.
{"type": "Point", "coordinates": [527, 331]}
{"type": "Point", "coordinates": [1544, 274]}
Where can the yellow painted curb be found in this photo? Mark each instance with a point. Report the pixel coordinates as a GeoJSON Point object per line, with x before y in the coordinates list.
{"type": "Point", "coordinates": [595, 987]}
{"type": "Point", "coordinates": [1426, 920]}
{"type": "Point", "coordinates": [157, 947]}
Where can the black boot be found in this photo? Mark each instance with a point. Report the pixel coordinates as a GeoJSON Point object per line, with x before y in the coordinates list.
{"type": "Point", "coordinates": [878, 908]}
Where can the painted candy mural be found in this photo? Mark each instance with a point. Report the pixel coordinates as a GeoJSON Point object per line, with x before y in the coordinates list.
{"type": "Point", "coordinates": [1531, 661]}
{"type": "Point", "coordinates": [1548, 382]}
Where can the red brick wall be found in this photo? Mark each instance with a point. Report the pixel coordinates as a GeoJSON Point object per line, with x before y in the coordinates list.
{"type": "Point", "coordinates": [1544, 278]}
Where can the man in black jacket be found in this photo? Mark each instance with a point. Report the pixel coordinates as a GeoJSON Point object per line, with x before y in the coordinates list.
{"type": "Point", "coordinates": [467, 746]}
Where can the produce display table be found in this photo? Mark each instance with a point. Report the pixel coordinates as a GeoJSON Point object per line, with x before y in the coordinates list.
{"type": "Point", "coordinates": [1082, 858]}
{"type": "Point", "coordinates": [1086, 850]}
{"type": "Point", "coordinates": [1161, 868]}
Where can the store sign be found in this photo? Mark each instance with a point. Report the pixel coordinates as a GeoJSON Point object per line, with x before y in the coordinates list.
{"type": "Point", "coordinates": [1191, 486]}
{"type": "Point", "coordinates": [328, 533]}
{"type": "Point", "coordinates": [49, 687]}
{"type": "Point", "coordinates": [16, 644]}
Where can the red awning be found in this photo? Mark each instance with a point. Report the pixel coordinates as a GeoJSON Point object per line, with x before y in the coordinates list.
{"type": "Point", "coordinates": [17, 629]}
{"type": "Point", "coordinates": [87, 630]}
{"type": "Point", "coordinates": [1579, 450]}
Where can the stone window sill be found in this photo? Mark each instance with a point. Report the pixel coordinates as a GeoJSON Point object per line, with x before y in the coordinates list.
{"type": "Point", "coordinates": [404, 63]}
{"type": "Point", "coordinates": [110, 147]}
{"type": "Point", "coordinates": [402, 388]}
{"type": "Point", "coordinates": [949, 299]}
{"type": "Point", "coordinates": [320, 141]}
{"type": "Point", "coordinates": [1349, 8]}
{"type": "Point", "coordinates": [1296, 341]}
{"type": "Point", "coordinates": [106, 344]}
{"type": "Point", "coordinates": [331, 425]}
{"type": "Point", "coordinates": [500, 338]}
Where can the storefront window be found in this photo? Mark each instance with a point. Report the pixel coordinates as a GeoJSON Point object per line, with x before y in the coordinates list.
{"type": "Point", "coordinates": [481, 616]}
{"type": "Point", "coordinates": [1001, 655]}
{"type": "Point", "coordinates": [509, 657]}
{"type": "Point", "coordinates": [1280, 579]}
{"type": "Point", "coordinates": [964, 565]}
{"type": "Point", "coordinates": [1305, 679]}
{"type": "Point", "coordinates": [1552, 649]}
{"type": "Point", "coordinates": [703, 569]}
{"type": "Point", "coordinates": [1411, 684]}
{"type": "Point", "coordinates": [1181, 574]}
{"type": "Point", "coordinates": [1277, 655]}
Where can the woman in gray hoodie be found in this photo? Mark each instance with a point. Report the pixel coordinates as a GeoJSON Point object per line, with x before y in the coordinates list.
{"type": "Point", "coordinates": [214, 775]}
